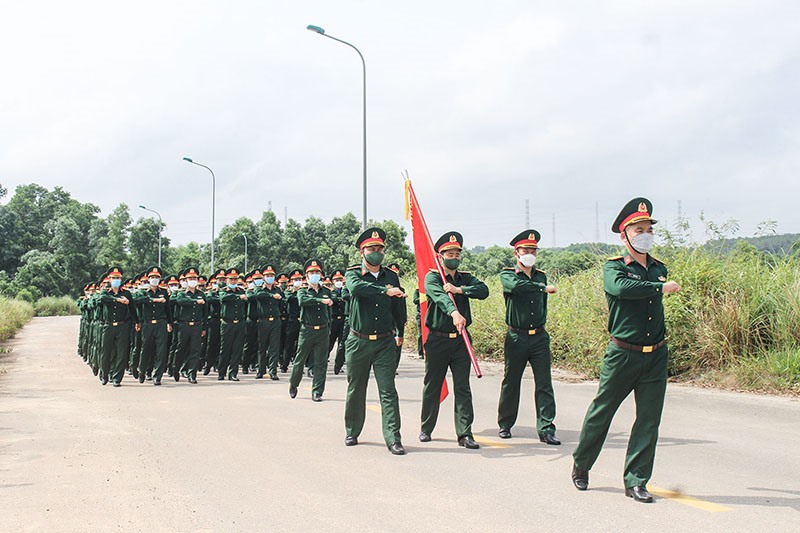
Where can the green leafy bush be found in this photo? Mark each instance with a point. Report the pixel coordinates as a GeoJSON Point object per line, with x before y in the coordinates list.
{"type": "Point", "coordinates": [52, 306]}
{"type": "Point", "coordinates": [13, 315]}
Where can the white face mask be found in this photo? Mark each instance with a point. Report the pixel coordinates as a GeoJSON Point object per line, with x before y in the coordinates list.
{"type": "Point", "coordinates": [642, 242]}
{"type": "Point", "coordinates": [251, 285]}
{"type": "Point", "coordinates": [297, 284]}
{"type": "Point", "coordinates": [215, 285]}
{"type": "Point", "coordinates": [527, 260]}
{"type": "Point", "coordinates": [192, 283]}
{"type": "Point", "coordinates": [184, 284]}
{"type": "Point", "coordinates": [173, 288]}
{"type": "Point", "coordinates": [338, 284]}
{"type": "Point", "coordinates": [155, 281]}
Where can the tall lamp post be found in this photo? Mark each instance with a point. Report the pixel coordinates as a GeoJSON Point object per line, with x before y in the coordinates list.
{"type": "Point", "coordinates": [213, 203]}
{"type": "Point", "coordinates": [245, 251]}
{"type": "Point", "coordinates": [160, 224]}
{"type": "Point", "coordinates": [320, 31]}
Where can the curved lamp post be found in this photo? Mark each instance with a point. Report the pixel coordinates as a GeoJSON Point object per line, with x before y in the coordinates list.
{"type": "Point", "coordinates": [213, 203]}
{"type": "Point", "coordinates": [317, 29]}
{"type": "Point", "coordinates": [245, 251]}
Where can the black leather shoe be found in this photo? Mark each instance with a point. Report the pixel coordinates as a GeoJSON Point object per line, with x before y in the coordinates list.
{"type": "Point", "coordinates": [141, 377]}
{"type": "Point", "coordinates": [220, 378]}
{"type": "Point", "coordinates": [284, 369]}
{"type": "Point", "coordinates": [233, 378]}
{"type": "Point", "coordinates": [292, 391]}
{"type": "Point", "coordinates": [103, 379]}
{"type": "Point", "coordinates": [468, 442]}
{"type": "Point", "coordinates": [580, 478]}
{"type": "Point", "coordinates": [135, 373]}
{"type": "Point", "coordinates": [156, 382]}
{"type": "Point", "coordinates": [550, 439]}
{"type": "Point", "coordinates": [176, 375]}
{"type": "Point", "coordinates": [274, 376]}
{"type": "Point", "coordinates": [95, 370]}
{"type": "Point", "coordinates": [424, 437]}
{"type": "Point", "coordinates": [350, 441]}
{"type": "Point", "coordinates": [336, 370]}
{"type": "Point", "coordinates": [206, 370]}
{"type": "Point", "coordinates": [397, 449]}
{"type": "Point", "coordinates": [310, 373]}
{"type": "Point", "coordinates": [259, 376]}
{"type": "Point", "coordinates": [317, 397]}
{"type": "Point", "coordinates": [192, 380]}
{"type": "Point", "coordinates": [245, 370]}
{"type": "Point", "coordinates": [639, 494]}
{"type": "Point", "coordinates": [504, 433]}
{"type": "Point", "coordinates": [117, 384]}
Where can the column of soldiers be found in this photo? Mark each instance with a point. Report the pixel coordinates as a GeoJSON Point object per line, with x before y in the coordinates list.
{"type": "Point", "coordinates": [262, 320]}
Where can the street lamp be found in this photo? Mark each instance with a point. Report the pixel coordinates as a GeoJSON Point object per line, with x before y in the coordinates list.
{"type": "Point", "coordinates": [245, 251]}
{"type": "Point", "coordinates": [160, 224]}
{"type": "Point", "coordinates": [317, 29]}
{"type": "Point", "coordinates": [213, 204]}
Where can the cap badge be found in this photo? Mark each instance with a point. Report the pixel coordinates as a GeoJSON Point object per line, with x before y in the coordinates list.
{"type": "Point", "coordinates": [453, 238]}
{"type": "Point", "coordinates": [642, 207]}
{"type": "Point", "coordinates": [375, 235]}
{"type": "Point", "coordinates": [531, 237]}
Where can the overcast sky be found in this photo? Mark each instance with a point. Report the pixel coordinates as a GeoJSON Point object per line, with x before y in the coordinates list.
{"type": "Point", "coordinates": [570, 104]}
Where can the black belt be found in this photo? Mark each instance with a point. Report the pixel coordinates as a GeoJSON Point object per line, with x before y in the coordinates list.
{"type": "Point", "coordinates": [118, 323]}
{"type": "Point", "coordinates": [230, 321]}
{"type": "Point", "coordinates": [435, 333]}
{"type": "Point", "coordinates": [373, 336]}
{"type": "Point", "coordinates": [193, 323]}
{"type": "Point", "coordinates": [533, 331]}
{"type": "Point", "coordinates": [266, 319]}
{"type": "Point", "coordinates": [636, 347]}
{"type": "Point", "coordinates": [339, 317]}
{"type": "Point", "coordinates": [157, 320]}
{"type": "Point", "coordinates": [308, 326]}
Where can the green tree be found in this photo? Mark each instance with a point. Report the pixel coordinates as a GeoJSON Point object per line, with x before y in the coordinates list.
{"type": "Point", "coordinates": [230, 253]}
{"type": "Point", "coordinates": [269, 237]}
{"type": "Point", "coordinates": [183, 256]}
{"type": "Point", "coordinates": [143, 244]}
{"type": "Point", "coordinates": [113, 246]}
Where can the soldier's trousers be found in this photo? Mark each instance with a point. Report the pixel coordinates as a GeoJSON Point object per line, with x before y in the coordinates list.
{"type": "Point", "coordinates": [312, 344]}
{"type": "Point", "coordinates": [269, 344]}
{"type": "Point", "coordinates": [361, 356]}
{"type": "Point", "coordinates": [336, 332]}
{"type": "Point", "coordinates": [292, 333]}
{"type": "Point", "coordinates": [213, 343]}
{"type": "Point", "coordinates": [441, 353]}
{"type": "Point", "coordinates": [187, 354]}
{"type": "Point", "coordinates": [231, 347]}
{"type": "Point", "coordinates": [625, 371]}
{"type": "Point", "coordinates": [136, 348]}
{"type": "Point", "coordinates": [155, 346]}
{"type": "Point", "coordinates": [116, 345]}
{"type": "Point", "coordinates": [338, 363]}
{"type": "Point", "coordinates": [521, 350]}
{"type": "Point", "coordinates": [250, 352]}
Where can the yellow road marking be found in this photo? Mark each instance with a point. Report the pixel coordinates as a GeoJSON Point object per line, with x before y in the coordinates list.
{"type": "Point", "coordinates": [376, 408]}
{"type": "Point", "coordinates": [491, 443]}
{"type": "Point", "coordinates": [688, 500]}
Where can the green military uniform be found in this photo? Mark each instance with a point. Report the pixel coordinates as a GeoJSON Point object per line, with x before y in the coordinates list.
{"type": "Point", "coordinates": [191, 311]}
{"type": "Point", "coordinates": [635, 360]}
{"type": "Point", "coordinates": [292, 319]}
{"type": "Point", "coordinates": [155, 320]}
{"type": "Point", "coordinates": [374, 316]}
{"type": "Point", "coordinates": [233, 312]}
{"type": "Point", "coordinates": [213, 335]}
{"type": "Point", "coordinates": [250, 351]}
{"type": "Point", "coordinates": [118, 312]}
{"type": "Point", "coordinates": [313, 339]}
{"type": "Point", "coordinates": [339, 329]}
{"type": "Point", "coordinates": [444, 346]}
{"type": "Point", "coordinates": [283, 280]}
{"type": "Point", "coordinates": [400, 331]}
{"type": "Point", "coordinates": [418, 322]}
{"type": "Point", "coordinates": [265, 312]}
{"type": "Point", "coordinates": [526, 342]}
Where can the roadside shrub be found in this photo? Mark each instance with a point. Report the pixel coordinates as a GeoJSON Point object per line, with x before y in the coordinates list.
{"type": "Point", "coordinates": [56, 306]}
{"type": "Point", "coordinates": [13, 315]}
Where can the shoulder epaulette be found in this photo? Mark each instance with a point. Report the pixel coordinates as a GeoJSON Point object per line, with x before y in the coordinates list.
{"type": "Point", "coordinates": [510, 268]}
{"type": "Point", "coordinates": [432, 270]}
{"type": "Point", "coordinates": [615, 258]}
{"type": "Point", "coordinates": [354, 267]}
{"type": "Point", "coordinates": [464, 272]}
{"type": "Point", "coordinates": [542, 271]}
{"type": "Point", "coordinates": [659, 261]}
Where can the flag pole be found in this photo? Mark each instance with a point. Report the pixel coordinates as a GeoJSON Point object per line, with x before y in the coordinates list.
{"type": "Point", "coordinates": [412, 199]}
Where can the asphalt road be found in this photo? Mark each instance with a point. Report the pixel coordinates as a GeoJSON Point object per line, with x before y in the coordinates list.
{"type": "Point", "coordinates": [222, 456]}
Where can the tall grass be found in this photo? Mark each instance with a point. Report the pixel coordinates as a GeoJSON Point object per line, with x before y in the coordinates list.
{"type": "Point", "coordinates": [52, 306]}
{"type": "Point", "coordinates": [13, 315]}
{"type": "Point", "coordinates": [736, 319]}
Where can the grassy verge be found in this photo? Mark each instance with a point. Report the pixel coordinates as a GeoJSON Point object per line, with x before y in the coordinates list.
{"type": "Point", "coordinates": [735, 324]}
{"type": "Point", "coordinates": [52, 306]}
{"type": "Point", "coordinates": [13, 315]}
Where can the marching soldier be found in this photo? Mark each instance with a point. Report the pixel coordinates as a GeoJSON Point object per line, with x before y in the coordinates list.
{"type": "Point", "coordinates": [315, 302]}
{"type": "Point", "coordinates": [525, 291]}
{"type": "Point", "coordinates": [265, 311]}
{"type": "Point", "coordinates": [377, 310]}
{"type": "Point", "coordinates": [636, 357]}
{"type": "Point", "coordinates": [233, 311]}
{"type": "Point", "coordinates": [445, 347]}
{"type": "Point", "coordinates": [283, 284]}
{"type": "Point", "coordinates": [418, 322]}
{"type": "Point", "coordinates": [117, 315]}
{"type": "Point", "coordinates": [213, 339]}
{"type": "Point", "coordinates": [156, 325]}
{"type": "Point", "coordinates": [190, 326]}
{"type": "Point", "coordinates": [339, 326]}
{"type": "Point", "coordinates": [173, 286]}
{"type": "Point", "coordinates": [293, 318]}
{"type": "Point", "coordinates": [399, 332]}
